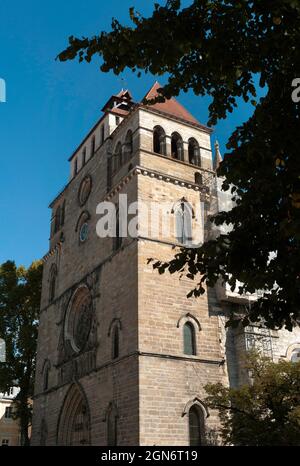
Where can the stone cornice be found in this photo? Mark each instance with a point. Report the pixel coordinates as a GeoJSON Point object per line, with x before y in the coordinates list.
{"type": "Point", "coordinates": [154, 174]}
{"type": "Point", "coordinates": [173, 357]}
{"type": "Point", "coordinates": [144, 171]}
{"type": "Point", "coordinates": [139, 170]}
{"type": "Point", "coordinates": [52, 251]}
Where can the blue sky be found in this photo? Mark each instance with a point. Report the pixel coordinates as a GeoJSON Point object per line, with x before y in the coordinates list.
{"type": "Point", "coordinates": [51, 106]}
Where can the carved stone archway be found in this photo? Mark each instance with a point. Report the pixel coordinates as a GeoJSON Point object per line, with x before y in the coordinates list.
{"type": "Point", "coordinates": [74, 421]}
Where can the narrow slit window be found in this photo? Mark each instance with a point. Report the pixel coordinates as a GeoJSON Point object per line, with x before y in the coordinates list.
{"type": "Point", "coordinates": [93, 144]}
{"type": "Point", "coordinates": [84, 157]}
{"type": "Point", "coordinates": [116, 343]}
{"type": "Point", "coordinates": [196, 427]}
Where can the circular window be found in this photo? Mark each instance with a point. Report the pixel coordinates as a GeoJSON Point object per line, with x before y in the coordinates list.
{"type": "Point", "coordinates": [78, 319]}
{"type": "Point", "coordinates": [85, 190]}
{"type": "Point", "coordinates": [84, 232]}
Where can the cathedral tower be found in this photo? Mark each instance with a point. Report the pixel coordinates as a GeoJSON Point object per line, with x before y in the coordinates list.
{"type": "Point", "coordinates": [123, 355]}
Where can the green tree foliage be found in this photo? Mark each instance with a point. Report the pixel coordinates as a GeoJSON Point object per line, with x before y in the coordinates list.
{"type": "Point", "coordinates": [265, 412]}
{"type": "Point", "coordinates": [216, 48]}
{"type": "Point", "coordinates": [20, 292]}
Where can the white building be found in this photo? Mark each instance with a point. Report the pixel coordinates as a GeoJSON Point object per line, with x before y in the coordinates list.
{"type": "Point", "coordinates": [9, 427]}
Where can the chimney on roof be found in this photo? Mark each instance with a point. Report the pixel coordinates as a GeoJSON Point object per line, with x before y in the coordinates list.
{"type": "Point", "coordinates": [122, 101]}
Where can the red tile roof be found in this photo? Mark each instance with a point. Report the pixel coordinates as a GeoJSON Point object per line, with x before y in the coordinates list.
{"type": "Point", "coordinates": [170, 106]}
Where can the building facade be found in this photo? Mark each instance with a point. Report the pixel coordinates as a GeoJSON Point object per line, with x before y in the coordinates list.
{"type": "Point", "coordinates": [10, 434]}
{"type": "Point", "coordinates": [123, 354]}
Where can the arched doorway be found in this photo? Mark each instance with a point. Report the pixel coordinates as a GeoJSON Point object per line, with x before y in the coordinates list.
{"type": "Point", "coordinates": [74, 420]}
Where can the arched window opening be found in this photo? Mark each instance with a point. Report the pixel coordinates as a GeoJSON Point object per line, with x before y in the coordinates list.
{"type": "Point", "coordinates": [46, 378]}
{"type": "Point", "coordinates": [62, 215]}
{"type": "Point", "coordinates": [46, 375]}
{"type": "Point", "coordinates": [176, 146]}
{"type": "Point", "coordinates": [84, 157]}
{"type": "Point", "coordinates": [118, 237]}
{"type": "Point", "coordinates": [57, 220]}
{"type": "Point", "coordinates": [52, 288]}
{"type": "Point", "coordinates": [75, 167]}
{"type": "Point", "coordinates": [189, 339]}
{"type": "Point", "coordinates": [183, 217]}
{"type": "Point", "coordinates": [128, 146]}
{"type": "Point", "coordinates": [102, 134]}
{"type": "Point", "coordinates": [194, 152]}
{"type": "Point", "coordinates": [295, 356]}
{"type": "Point", "coordinates": [112, 427]}
{"type": "Point", "coordinates": [74, 420]}
{"type": "Point", "coordinates": [115, 343]}
{"type": "Point", "coordinates": [198, 179]}
{"type": "Point", "coordinates": [118, 157]}
{"type": "Point", "coordinates": [159, 140]}
{"type": "Point", "coordinates": [196, 426]}
{"type": "Point", "coordinates": [93, 145]}
{"type": "Point", "coordinates": [52, 283]}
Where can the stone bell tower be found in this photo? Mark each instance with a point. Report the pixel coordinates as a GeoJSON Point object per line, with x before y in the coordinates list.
{"type": "Point", "coordinates": [123, 355]}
